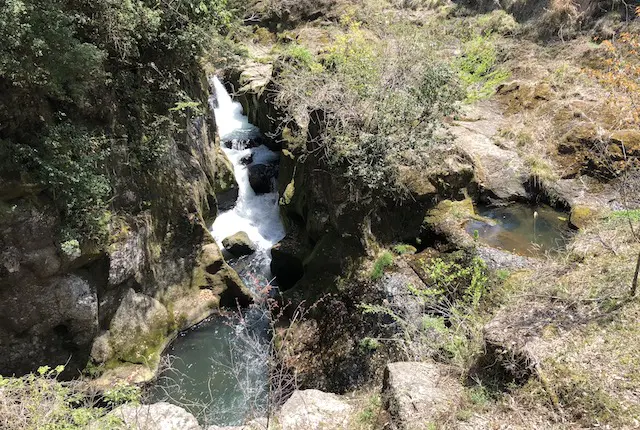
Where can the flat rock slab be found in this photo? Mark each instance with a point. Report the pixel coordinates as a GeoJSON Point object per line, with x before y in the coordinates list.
{"type": "Point", "coordinates": [417, 394]}
{"type": "Point", "coordinates": [315, 410]}
{"type": "Point", "coordinates": [158, 416]}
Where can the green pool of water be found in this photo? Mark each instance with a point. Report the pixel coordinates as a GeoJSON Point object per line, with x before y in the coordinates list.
{"type": "Point", "coordinates": [515, 228]}
{"type": "Point", "coordinates": [218, 370]}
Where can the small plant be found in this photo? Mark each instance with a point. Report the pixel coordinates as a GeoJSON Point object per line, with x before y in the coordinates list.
{"type": "Point", "coordinates": [122, 393]}
{"type": "Point", "coordinates": [301, 56]}
{"type": "Point", "coordinates": [71, 248]}
{"type": "Point", "coordinates": [441, 318]}
{"type": "Point", "coordinates": [403, 248]}
{"type": "Point", "coordinates": [369, 344]}
{"type": "Point", "coordinates": [39, 401]}
{"type": "Point", "coordinates": [384, 261]}
{"type": "Point", "coordinates": [370, 413]}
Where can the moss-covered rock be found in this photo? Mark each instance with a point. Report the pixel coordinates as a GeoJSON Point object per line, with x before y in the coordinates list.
{"type": "Point", "coordinates": [582, 216]}
{"type": "Point", "coordinates": [239, 244]}
{"type": "Point", "coordinates": [139, 329]}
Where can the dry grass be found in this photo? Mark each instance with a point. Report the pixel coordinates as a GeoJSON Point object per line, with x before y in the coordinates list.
{"type": "Point", "coordinates": [583, 339]}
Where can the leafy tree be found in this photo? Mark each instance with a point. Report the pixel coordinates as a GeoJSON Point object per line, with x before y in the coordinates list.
{"type": "Point", "coordinates": [87, 85]}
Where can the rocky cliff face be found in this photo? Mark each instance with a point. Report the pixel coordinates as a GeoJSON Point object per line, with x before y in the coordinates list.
{"type": "Point", "coordinates": [160, 271]}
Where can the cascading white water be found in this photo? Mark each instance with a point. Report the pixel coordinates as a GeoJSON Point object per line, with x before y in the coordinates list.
{"type": "Point", "coordinates": [256, 215]}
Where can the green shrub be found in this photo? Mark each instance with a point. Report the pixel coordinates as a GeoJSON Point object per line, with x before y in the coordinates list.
{"type": "Point", "coordinates": [39, 401]}
{"type": "Point", "coordinates": [478, 68]}
{"type": "Point", "coordinates": [301, 56]}
{"type": "Point", "coordinates": [381, 104]}
{"type": "Point", "coordinates": [498, 22]}
{"type": "Point", "coordinates": [403, 248]}
{"type": "Point", "coordinates": [104, 87]}
{"type": "Point", "coordinates": [384, 261]}
{"type": "Point", "coordinates": [369, 344]}
{"type": "Point", "coordinates": [443, 319]}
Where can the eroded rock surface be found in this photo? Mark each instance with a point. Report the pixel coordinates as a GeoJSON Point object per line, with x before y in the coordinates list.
{"type": "Point", "coordinates": [417, 394]}
{"type": "Point", "coordinates": [315, 410]}
{"type": "Point", "coordinates": [158, 416]}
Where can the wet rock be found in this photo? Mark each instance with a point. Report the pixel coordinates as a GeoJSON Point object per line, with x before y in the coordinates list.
{"type": "Point", "coordinates": [416, 394]}
{"type": "Point", "coordinates": [239, 244]}
{"type": "Point", "coordinates": [158, 416]}
{"type": "Point", "coordinates": [247, 159]}
{"type": "Point", "coordinates": [314, 409]}
{"type": "Point", "coordinates": [261, 177]}
{"type": "Point", "coordinates": [225, 180]}
{"type": "Point", "coordinates": [214, 274]}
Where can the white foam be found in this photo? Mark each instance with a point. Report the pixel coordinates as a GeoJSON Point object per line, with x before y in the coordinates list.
{"type": "Point", "coordinates": [256, 215]}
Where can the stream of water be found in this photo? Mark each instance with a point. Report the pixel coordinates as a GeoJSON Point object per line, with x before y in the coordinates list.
{"type": "Point", "coordinates": [219, 368]}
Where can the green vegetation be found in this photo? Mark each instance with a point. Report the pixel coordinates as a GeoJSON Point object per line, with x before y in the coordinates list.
{"type": "Point", "coordinates": [444, 319]}
{"type": "Point", "coordinates": [384, 261]}
{"type": "Point", "coordinates": [369, 344]}
{"type": "Point", "coordinates": [403, 248]}
{"type": "Point", "coordinates": [632, 215]}
{"type": "Point", "coordinates": [379, 102]}
{"type": "Point", "coordinates": [478, 68]}
{"type": "Point", "coordinates": [94, 90]}
{"type": "Point", "coordinates": [39, 401]}
{"type": "Point", "coordinates": [370, 413]}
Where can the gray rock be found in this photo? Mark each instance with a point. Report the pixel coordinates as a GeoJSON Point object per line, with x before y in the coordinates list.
{"type": "Point", "coordinates": [315, 410]}
{"type": "Point", "coordinates": [143, 316]}
{"type": "Point", "coordinates": [239, 244]}
{"type": "Point", "coordinates": [158, 416]}
{"type": "Point", "coordinates": [498, 170]}
{"type": "Point", "coordinates": [101, 350]}
{"type": "Point", "coordinates": [416, 394]}
{"type": "Point", "coordinates": [44, 262]}
{"type": "Point", "coordinates": [500, 259]}
{"type": "Point", "coordinates": [128, 257]}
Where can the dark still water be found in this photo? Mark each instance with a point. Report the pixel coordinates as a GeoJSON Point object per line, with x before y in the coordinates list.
{"type": "Point", "coordinates": [515, 228]}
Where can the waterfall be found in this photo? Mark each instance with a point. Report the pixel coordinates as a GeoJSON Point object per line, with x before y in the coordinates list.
{"type": "Point", "coordinates": [256, 215]}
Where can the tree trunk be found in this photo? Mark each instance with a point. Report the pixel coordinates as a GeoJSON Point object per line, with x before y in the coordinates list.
{"type": "Point", "coordinates": [634, 284]}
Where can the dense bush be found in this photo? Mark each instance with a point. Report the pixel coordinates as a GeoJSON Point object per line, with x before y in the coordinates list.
{"type": "Point", "coordinates": [82, 81]}
{"type": "Point", "coordinates": [381, 102]}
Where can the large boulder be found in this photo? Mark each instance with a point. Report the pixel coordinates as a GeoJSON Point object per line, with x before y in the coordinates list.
{"type": "Point", "coordinates": [148, 319]}
{"type": "Point", "coordinates": [239, 244]}
{"type": "Point", "coordinates": [500, 172]}
{"type": "Point", "coordinates": [418, 394]}
{"type": "Point", "coordinates": [261, 177]}
{"type": "Point", "coordinates": [314, 409]}
{"type": "Point", "coordinates": [158, 416]}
